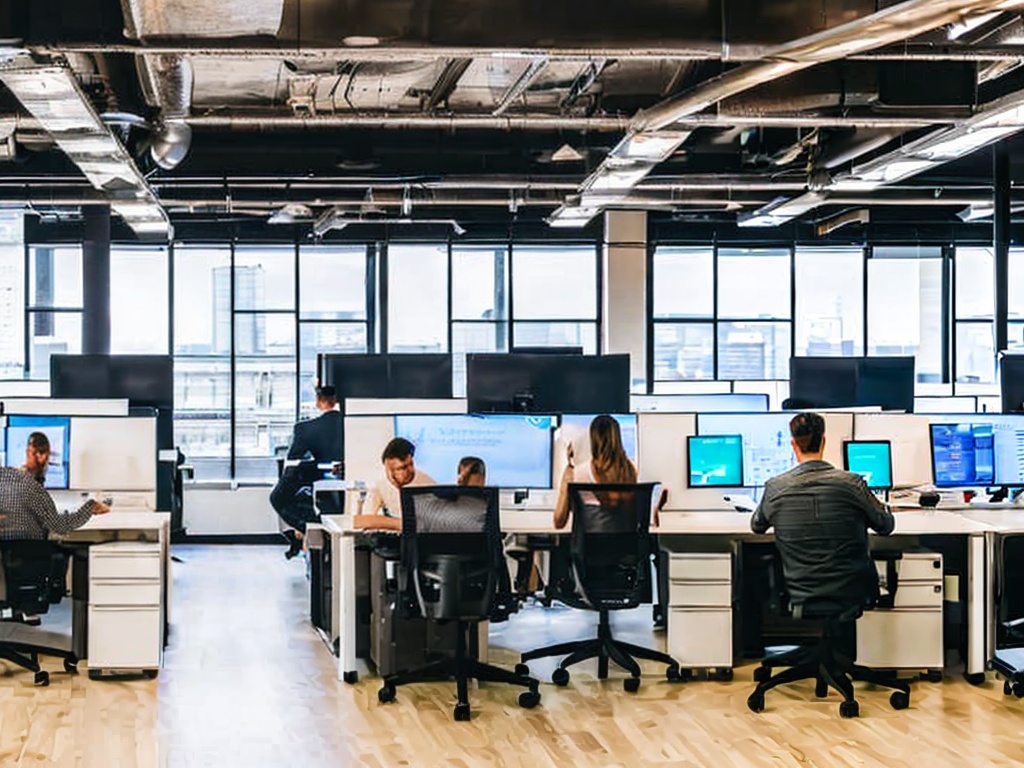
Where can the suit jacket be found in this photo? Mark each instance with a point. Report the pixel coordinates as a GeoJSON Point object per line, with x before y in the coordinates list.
{"type": "Point", "coordinates": [321, 438]}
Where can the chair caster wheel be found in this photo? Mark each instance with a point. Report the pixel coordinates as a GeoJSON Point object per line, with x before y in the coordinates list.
{"type": "Point", "coordinates": [673, 675]}
{"type": "Point", "coordinates": [1007, 688]}
{"type": "Point", "coordinates": [724, 674]}
{"type": "Point", "coordinates": [899, 700]}
{"type": "Point", "coordinates": [42, 678]}
{"type": "Point", "coordinates": [560, 677]}
{"type": "Point", "coordinates": [528, 699]}
{"type": "Point", "coordinates": [821, 689]}
{"type": "Point", "coordinates": [756, 702]}
{"type": "Point", "coordinates": [631, 684]}
{"type": "Point", "coordinates": [462, 712]}
{"type": "Point", "coordinates": [71, 666]}
{"type": "Point", "coordinates": [976, 678]}
{"type": "Point", "coordinates": [351, 677]}
{"type": "Point", "coordinates": [849, 709]}
{"type": "Point", "coordinates": [150, 674]}
{"type": "Point", "coordinates": [386, 694]}
{"type": "Point", "coordinates": [933, 676]}
{"type": "Point", "coordinates": [761, 674]}
{"type": "Point", "coordinates": [1018, 690]}
{"type": "Point", "coordinates": [522, 670]}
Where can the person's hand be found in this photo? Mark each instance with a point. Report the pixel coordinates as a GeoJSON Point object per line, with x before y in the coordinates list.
{"type": "Point", "coordinates": [99, 508]}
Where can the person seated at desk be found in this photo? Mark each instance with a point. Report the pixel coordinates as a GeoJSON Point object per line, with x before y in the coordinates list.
{"type": "Point", "coordinates": [382, 506]}
{"type": "Point", "coordinates": [824, 545]}
{"type": "Point", "coordinates": [27, 510]}
{"type": "Point", "coordinates": [316, 440]}
{"type": "Point", "coordinates": [472, 471]}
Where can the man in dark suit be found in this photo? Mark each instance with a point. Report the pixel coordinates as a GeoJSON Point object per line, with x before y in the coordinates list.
{"type": "Point", "coordinates": [314, 441]}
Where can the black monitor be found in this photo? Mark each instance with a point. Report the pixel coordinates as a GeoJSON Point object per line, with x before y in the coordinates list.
{"type": "Point", "coordinates": [888, 382]}
{"type": "Point", "coordinates": [844, 382]}
{"type": "Point", "coordinates": [547, 350]}
{"type": "Point", "coordinates": [387, 376]}
{"type": "Point", "coordinates": [143, 380]}
{"type": "Point", "coordinates": [1011, 380]}
{"type": "Point", "coordinates": [354, 375]}
{"type": "Point", "coordinates": [511, 383]}
{"type": "Point", "coordinates": [420, 376]}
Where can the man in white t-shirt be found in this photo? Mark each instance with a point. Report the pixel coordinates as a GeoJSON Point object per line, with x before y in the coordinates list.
{"type": "Point", "coordinates": [399, 471]}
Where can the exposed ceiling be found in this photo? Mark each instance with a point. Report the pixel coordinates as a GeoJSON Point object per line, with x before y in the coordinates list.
{"type": "Point", "coordinates": [757, 112]}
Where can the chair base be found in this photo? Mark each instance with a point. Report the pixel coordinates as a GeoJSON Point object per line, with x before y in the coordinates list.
{"type": "Point", "coordinates": [829, 668]}
{"type": "Point", "coordinates": [604, 648]}
{"type": "Point", "coordinates": [27, 657]}
{"type": "Point", "coordinates": [462, 668]}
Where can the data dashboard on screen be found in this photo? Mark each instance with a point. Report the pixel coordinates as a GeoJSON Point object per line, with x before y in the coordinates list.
{"type": "Point", "coordinates": [515, 447]}
{"type": "Point", "coordinates": [978, 449]}
{"type": "Point", "coordinates": [57, 430]}
{"type": "Point", "coordinates": [872, 460]}
{"type": "Point", "coordinates": [767, 450]}
{"type": "Point", "coordinates": [714, 461]}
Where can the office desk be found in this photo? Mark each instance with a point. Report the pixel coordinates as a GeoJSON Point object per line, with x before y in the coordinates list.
{"type": "Point", "coordinates": [674, 529]}
{"type": "Point", "coordinates": [122, 620]}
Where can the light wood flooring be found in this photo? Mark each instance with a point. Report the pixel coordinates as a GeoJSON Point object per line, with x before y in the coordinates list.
{"type": "Point", "coordinates": [248, 683]}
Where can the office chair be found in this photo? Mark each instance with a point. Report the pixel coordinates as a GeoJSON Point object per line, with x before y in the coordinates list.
{"type": "Point", "coordinates": [34, 579]}
{"type": "Point", "coordinates": [610, 548]}
{"type": "Point", "coordinates": [452, 568]}
{"type": "Point", "coordinates": [829, 659]}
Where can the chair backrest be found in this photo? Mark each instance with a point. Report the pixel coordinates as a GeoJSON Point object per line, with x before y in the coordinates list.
{"type": "Point", "coordinates": [611, 541]}
{"type": "Point", "coordinates": [451, 550]}
{"type": "Point", "coordinates": [34, 574]}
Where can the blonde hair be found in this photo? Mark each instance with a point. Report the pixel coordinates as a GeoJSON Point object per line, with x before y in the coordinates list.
{"type": "Point", "coordinates": [608, 458]}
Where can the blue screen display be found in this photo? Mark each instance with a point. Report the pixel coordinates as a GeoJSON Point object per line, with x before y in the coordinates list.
{"type": "Point", "coordinates": [576, 427]}
{"type": "Point", "coordinates": [56, 428]}
{"type": "Point", "coordinates": [715, 461]}
{"type": "Point", "coordinates": [515, 447]}
{"type": "Point", "coordinates": [978, 449]}
{"type": "Point", "coordinates": [872, 460]}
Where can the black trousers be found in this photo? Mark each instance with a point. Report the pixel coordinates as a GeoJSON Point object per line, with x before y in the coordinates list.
{"type": "Point", "coordinates": [293, 505]}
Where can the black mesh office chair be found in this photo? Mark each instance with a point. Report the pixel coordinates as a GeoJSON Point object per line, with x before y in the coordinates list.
{"type": "Point", "coordinates": [34, 579]}
{"type": "Point", "coordinates": [829, 659]}
{"type": "Point", "coordinates": [454, 569]}
{"type": "Point", "coordinates": [610, 546]}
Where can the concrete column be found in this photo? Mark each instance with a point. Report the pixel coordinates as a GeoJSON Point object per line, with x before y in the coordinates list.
{"type": "Point", "coordinates": [96, 281]}
{"type": "Point", "coordinates": [624, 291]}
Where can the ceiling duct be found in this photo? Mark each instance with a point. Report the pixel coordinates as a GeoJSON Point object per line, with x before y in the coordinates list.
{"type": "Point", "coordinates": [52, 95]}
{"type": "Point", "coordinates": [893, 24]}
{"type": "Point", "coordinates": [168, 82]}
{"type": "Point", "coordinates": [181, 18]}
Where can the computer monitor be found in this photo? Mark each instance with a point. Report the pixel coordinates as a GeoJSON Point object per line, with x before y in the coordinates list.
{"type": "Point", "coordinates": [515, 447]}
{"type": "Point", "coordinates": [872, 460]}
{"type": "Point", "coordinates": [978, 449]}
{"type": "Point", "coordinates": [143, 380]}
{"type": "Point", "coordinates": [888, 382]}
{"type": "Point", "coordinates": [1011, 379]}
{"type": "Point", "coordinates": [767, 450]}
{"type": "Point", "coordinates": [823, 382]}
{"type": "Point", "coordinates": [57, 429]}
{"type": "Point", "coordinates": [576, 428]}
{"type": "Point", "coordinates": [714, 461]}
{"type": "Point", "coordinates": [426, 376]}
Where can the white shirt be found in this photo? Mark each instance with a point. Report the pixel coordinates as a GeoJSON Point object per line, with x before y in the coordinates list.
{"type": "Point", "coordinates": [383, 495]}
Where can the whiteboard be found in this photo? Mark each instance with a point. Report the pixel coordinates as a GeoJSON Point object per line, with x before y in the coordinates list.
{"type": "Point", "coordinates": [113, 454]}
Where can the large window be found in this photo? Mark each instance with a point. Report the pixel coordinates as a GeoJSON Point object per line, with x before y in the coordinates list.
{"type": "Point", "coordinates": [974, 315]}
{"type": "Point", "coordinates": [54, 305]}
{"type": "Point", "coordinates": [479, 305]}
{"type": "Point", "coordinates": [684, 310]}
{"type": "Point", "coordinates": [829, 301]}
{"type": "Point", "coordinates": [905, 307]}
{"type": "Point", "coordinates": [139, 301]}
{"type": "Point", "coordinates": [554, 297]}
{"type": "Point", "coordinates": [12, 295]}
{"type": "Point", "coordinates": [417, 298]}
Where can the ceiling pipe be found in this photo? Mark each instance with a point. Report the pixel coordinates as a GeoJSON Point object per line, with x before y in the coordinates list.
{"type": "Point", "coordinates": [167, 81]}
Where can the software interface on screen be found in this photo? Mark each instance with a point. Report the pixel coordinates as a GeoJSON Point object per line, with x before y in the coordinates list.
{"type": "Point", "coordinates": [515, 447]}
{"type": "Point", "coordinates": [872, 460]}
{"type": "Point", "coordinates": [715, 461]}
{"type": "Point", "coordinates": [978, 449]}
{"type": "Point", "coordinates": [56, 429]}
{"type": "Point", "coordinates": [767, 450]}
{"type": "Point", "coordinates": [576, 428]}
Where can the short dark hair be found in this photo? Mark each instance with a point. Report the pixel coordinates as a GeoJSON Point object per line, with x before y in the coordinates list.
{"type": "Point", "coordinates": [473, 465]}
{"type": "Point", "coordinates": [327, 393]}
{"type": "Point", "coordinates": [39, 441]}
{"type": "Point", "coordinates": [398, 448]}
{"type": "Point", "coordinates": [807, 430]}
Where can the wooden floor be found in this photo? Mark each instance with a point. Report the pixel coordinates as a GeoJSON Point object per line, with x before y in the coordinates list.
{"type": "Point", "coordinates": [247, 683]}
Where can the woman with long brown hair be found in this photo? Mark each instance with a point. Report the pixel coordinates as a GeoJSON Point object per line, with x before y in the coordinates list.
{"type": "Point", "coordinates": [608, 464]}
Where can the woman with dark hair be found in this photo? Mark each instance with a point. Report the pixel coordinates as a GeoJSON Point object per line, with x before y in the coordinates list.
{"type": "Point", "coordinates": [608, 464]}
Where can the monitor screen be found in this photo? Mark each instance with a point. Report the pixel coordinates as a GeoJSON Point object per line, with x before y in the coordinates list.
{"type": "Point", "coordinates": [515, 447]}
{"type": "Point", "coordinates": [978, 449]}
{"type": "Point", "coordinates": [888, 382]}
{"type": "Point", "coordinates": [57, 429]}
{"type": "Point", "coordinates": [715, 461]}
{"type": "Point", "coordinates": [767, 450]}
{"type": "Point", "coordinates": [871, 459]}
{"type": "Point", "coordinates": [823, 382]}
{"type": "Point", "coordinates": [1011, 378]}
{"type": "Point", "coordinates": [356, 376]}
{"type": "Point", "coordinates": [423, 376]}
{"type": "Point", "coordinates": [575, 428]}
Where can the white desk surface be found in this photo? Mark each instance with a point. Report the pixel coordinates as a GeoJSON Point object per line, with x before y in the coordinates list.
{"type": "Point", "coordinates": [999, 520]}
{"type": "Point", "coordinates": [911, 522]}
{"type": "Point", "coordinates": [127, 521]}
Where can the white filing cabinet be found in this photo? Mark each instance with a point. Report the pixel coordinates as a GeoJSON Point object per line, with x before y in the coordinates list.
{"type": "Point", "coordinates": [126, 619]}
{"type": "Point", "coordinates": [700, 610]}
{"type": "Point", "coordinates": [909, 635]}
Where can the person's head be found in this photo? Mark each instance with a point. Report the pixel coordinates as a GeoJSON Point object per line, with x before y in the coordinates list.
{"type": "Point", "coordinates": [472, 471]}
{"type": "Point", "coordinates": [808, 432]}
{"type": "Point", "coordinates": [608, 458]}
{"type": "Point", "coordinates": [326, 398]}
{"type": "Point", "coordinates": [398, 461]}
{"type": "Point", "coordinates": [37, 453]}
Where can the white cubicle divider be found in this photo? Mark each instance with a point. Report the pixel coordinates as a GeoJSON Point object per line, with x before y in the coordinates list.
{"type": "Point", "coordinates": [113, 454]}
{"type": "Point", "coordinates": [365, 438]}
{"type": "Point", "coordinates": [990, 404]}
{"type": "Point", "coordinates": [662, 444]}
{"type": "Point", "coordinates": [752, 402]}
{"type": "Point", "coordinates": [24, 388]}
{"type": "Point", "coordinates": [692, 387]}
{"type": "Point", "coordinates": [37, 406]}
{"type": "Point", "coordinates": [908, 433]}
{"type": "Point", "coordinates": [377, 407]}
